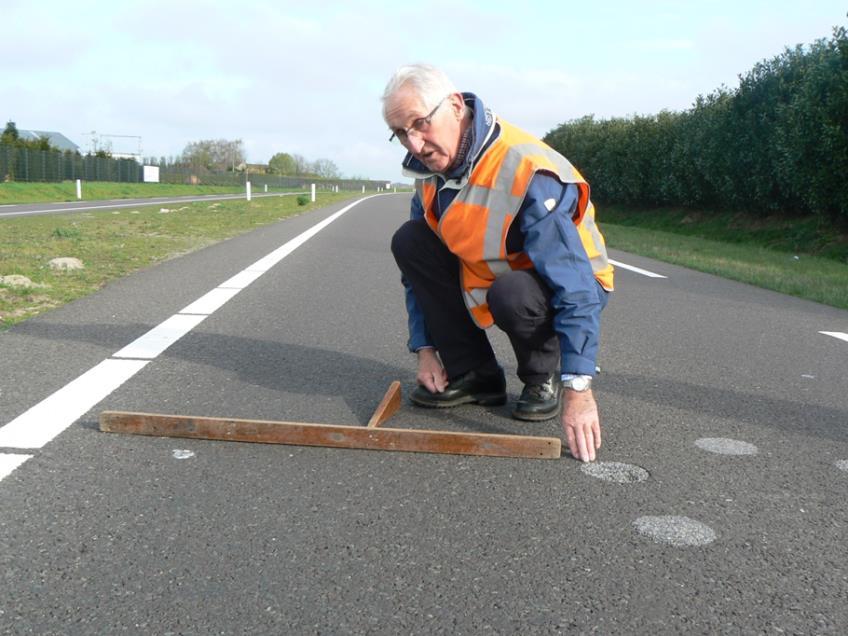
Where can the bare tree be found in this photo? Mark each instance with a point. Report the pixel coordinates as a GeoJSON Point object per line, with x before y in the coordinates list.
{"type": "Point", "coordinates": [326, 168]}
{"type": "Point", "coordinates": [214, 154]}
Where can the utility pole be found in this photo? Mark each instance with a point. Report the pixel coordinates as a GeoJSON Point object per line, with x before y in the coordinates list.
{"type": "Point", "coordinates": [93, 133]}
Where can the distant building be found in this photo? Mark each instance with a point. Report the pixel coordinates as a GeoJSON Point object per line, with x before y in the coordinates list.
{"type": "Point", "coordinates": [57, 140]}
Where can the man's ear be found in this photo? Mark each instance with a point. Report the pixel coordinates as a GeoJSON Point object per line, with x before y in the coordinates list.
{"type": "Point", "coordinates": [457, 104]}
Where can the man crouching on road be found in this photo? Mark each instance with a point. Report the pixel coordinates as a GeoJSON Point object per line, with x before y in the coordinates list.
{"type": "Point", "coordinates": [502, 232]}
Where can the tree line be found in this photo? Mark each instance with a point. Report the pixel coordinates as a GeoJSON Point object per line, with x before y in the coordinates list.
{"type": "Point", "coordinates": [777, 143]}
{"type": "Point", "coordinates": [227, 155]}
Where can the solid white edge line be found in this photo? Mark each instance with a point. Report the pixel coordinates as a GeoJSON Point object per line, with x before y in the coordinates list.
{"type": "Point", "coordinates": [836, 334]}
{"type": "Point", "coordinates": [9, 462]}
{"type": "Point", "coordinates": [268, 261]}
{"type": "Point", "coordinates": [162, 336]}
{"type": "Point", "coordinates": [211, 301]}
{"type": "Point", "coordinates": [241, 280]}
{"type": "Point", "coordinates": [51, 416]}
{"type": "Point", "coordinates": [638, 270]}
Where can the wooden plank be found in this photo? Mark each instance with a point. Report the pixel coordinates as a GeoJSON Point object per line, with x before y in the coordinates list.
{"type": "Point", "coordinates": [387, 407]}
{"type": "Point", "coordinates": [331, 435]}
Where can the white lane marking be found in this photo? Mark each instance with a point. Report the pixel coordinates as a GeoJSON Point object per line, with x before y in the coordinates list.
{"type": "Point", "coordinates": [267, 262]}
{"type": "Point", "coordinates": [9, 462]}
{"type": "Point", "coordinates": [836, 334]}
{"type": "Point", "coordinates": [211, 301]}
{"type": "Point", "coordinates": [638, 270]}
{"type": "Point", "coordinates": [179, 453]}
{"type": "Point", "coordinates": [241, 280]}
{"type": "Point", "coordinates": [154, 201]}
{"type": "Point", "coordinates": [162, 336]}
{"type": "Point", "coordinates": [51, 416]}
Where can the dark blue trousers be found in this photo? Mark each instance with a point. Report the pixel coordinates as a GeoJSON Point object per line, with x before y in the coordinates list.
{"type": "Point", "coordinates": [520, 303]}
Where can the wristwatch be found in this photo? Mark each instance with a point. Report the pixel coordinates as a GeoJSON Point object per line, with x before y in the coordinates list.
{"type": "Point", "coordinates": [577, 383]}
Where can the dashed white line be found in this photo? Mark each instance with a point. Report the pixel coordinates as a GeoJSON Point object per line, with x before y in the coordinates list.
{"type": "Point", "coordinates": [836, 334]}
{"type": "Point", "coordinates": [47, 419]}
{"type": "Point", "coordinates": [638, 270]}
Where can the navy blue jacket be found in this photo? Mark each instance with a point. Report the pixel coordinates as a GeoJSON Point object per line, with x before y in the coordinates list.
{"type": "Point", "coordinates": [545, 231]}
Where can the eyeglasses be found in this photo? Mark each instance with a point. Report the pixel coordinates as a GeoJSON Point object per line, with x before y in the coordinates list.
{"type": "Point", "coordinates": [422, 124]}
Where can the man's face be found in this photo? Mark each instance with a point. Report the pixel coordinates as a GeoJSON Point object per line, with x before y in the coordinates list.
{"type": "Point", "coordinates": [435, 147]}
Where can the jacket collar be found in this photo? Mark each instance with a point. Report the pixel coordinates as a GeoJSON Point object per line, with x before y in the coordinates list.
{"type": "Point", "coordinates": [482, 129]}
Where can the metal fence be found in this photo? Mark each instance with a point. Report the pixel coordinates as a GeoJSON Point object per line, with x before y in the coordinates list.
{"type": "Point", "coordinates": [24, 164]}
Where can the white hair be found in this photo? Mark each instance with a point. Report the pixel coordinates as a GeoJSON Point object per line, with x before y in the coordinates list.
{"type": "Point", "coordinates": [428, 82]}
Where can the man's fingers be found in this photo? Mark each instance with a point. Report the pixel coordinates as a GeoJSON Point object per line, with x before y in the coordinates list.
{"type": "Point", "coordinates": [590, 445]}
{"type": "Point", "coordinates": [426, 380]}
{"type": "Point", "coordinates": [596, 429]}
{"type": "Point", "coordinates": [433, 382]}
{"type": "Point", "coordinates": [440, 381]}
{"type": "Point", "coordinates": [572, 442]}
{"type": "Point", "coordinates": [582, 447]}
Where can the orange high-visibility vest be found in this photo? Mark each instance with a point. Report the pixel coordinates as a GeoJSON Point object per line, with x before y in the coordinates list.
{"type": "Point", "coordinates": [475, 225]}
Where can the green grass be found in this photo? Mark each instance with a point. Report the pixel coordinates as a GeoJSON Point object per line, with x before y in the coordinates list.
{"type": "Point", "coordinates": [779, 253]}
{"type": "Point", "coordinates": [14, 192]}
{"type": "Point", "coordinates": [112, 244]}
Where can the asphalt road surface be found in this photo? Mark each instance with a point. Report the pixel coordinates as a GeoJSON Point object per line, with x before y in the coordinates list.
{"type": "Point", "coordinates": [30, 209]}
{"type": "Point", "coordinates": [718, 504]}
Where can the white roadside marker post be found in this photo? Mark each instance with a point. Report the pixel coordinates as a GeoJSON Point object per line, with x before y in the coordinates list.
{"type": "Point", "coordinates": [79, 189]}
{"type": "Point", "coordinates": [247, 183]}
{"type": "Point", "coordinates": [313, 193]}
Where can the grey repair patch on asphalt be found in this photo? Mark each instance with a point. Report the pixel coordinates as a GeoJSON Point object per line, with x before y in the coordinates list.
{"type": "Point", "coordinates": [724, 446]}
{"type": "Point", "coordinates": [676, 531]}
{"type": "Point", "coordinates": [842, 464]}
{"type": "Point", "coordinates": [615, 472]}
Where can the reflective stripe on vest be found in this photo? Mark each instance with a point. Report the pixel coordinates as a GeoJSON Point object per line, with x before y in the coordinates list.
{"type": "Point", "coordinates": [476, 223]}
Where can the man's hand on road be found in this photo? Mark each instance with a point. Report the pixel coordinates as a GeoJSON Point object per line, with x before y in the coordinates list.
{"type": "Point", "coordinates": [580, 423]}
{"type": "Point", "coordinates": [431, 374]}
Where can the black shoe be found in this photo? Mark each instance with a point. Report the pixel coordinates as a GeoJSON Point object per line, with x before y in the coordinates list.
{"type": "Point", "coordinates": [539, 401]}
{"type": "Point", "coordinates": [471, 388]}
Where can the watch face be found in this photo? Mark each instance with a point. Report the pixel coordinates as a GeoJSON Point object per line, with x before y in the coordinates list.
{"type": "Point", "coordinates": [580, 384]}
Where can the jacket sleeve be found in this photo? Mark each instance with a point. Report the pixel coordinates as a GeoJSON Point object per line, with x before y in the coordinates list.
{"type": "Point", "coordinates": [553, 244]}
{"type": "Point", "coordinates": [419, 337]}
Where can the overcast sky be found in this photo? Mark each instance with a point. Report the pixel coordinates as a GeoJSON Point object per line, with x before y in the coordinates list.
{"type": "Point", "coordinates": [306, 77]}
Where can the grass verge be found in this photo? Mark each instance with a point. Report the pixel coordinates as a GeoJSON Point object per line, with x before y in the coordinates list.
{"type": "Point", "coordinates": [791, 256]}
{"type": "Point", "coordinates": [11, 193]}
{"type": "Point", "coordinates": [112, 244]}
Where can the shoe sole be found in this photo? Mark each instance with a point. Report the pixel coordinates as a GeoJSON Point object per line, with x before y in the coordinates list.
{"type": "Point", "coordinates": [534, 417]}
{"type": "Point", "coordinates": [482, 400]}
